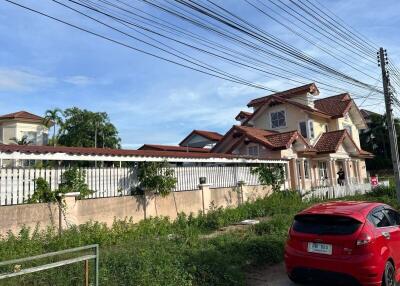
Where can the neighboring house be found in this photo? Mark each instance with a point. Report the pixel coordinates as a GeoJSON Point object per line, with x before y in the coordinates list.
{"type": "Point", "coordinates": [201, 139]}
{"type": "Point", "coordinates": [22, 124]}
{"type": "Point", "coordinates": [15, 126]}
{"type": "Point", "coordinates": [318, 136]}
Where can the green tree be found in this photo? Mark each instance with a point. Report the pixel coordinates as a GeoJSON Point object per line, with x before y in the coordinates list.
{"type": "Point", "coordinates": [375, 139]}
{"type": "Point", "coordinates": [53, 117]}
{"type": "Point", "coordinates": [83, 128]}
{"type": "Point", "coordinates": [23, 141]}
{"type": "Point", "coordinates": [270, 175]}
{"type": "Point", "coordinates": [157, 177]}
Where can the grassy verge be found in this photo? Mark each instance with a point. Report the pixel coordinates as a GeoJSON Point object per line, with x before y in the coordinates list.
{"type": "Point", "coordinates": [160, 252]}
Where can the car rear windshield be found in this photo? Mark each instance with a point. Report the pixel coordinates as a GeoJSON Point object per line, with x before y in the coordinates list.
{"type": "Point", "coordinates": [325, 224]}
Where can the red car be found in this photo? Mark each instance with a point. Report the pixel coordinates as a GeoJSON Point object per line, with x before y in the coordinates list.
{"type": "Point", "coordinates": [345, 243]}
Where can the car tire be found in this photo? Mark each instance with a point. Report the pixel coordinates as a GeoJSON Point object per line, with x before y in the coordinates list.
{"type": "Point", "coordinates": [296, 280]}
{"type": "Point", "coordinates": [389, 278]}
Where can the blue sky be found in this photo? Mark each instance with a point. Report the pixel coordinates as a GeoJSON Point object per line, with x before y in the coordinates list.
{"type": "Point", "coordinates": [44, 65]}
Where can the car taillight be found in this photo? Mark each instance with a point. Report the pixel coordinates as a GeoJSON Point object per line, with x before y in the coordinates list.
{"type": "Point", "coordinates": [363, 239]}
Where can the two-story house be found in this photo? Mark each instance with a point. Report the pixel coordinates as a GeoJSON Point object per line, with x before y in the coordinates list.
{"type": "Point", "coordinates": [18, 125]}
{"type": "Point", "coordinates": [23, 128]}
{"type": "Point", "coordinates": [318, 136]}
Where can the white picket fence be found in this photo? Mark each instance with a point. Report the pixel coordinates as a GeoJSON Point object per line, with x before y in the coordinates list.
{"type": "Point", "coordinates": [18, 184]}
{"type": "Point", "coordinates": [337, 191]}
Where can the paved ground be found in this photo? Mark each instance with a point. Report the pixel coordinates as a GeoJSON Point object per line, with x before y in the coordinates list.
{"type": "Point", "coordinates": [268, 276]}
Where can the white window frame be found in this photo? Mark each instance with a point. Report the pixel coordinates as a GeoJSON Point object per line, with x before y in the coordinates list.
{"type": "Point", "coordinates": [284, 115]}
{"type": "Point", "coordinates": [307, 169]}
{"type": "Point", "coordinates": [310, 127]}
{"type": "Point", "coordinates": [345, 126]}
{"type": "Point", "coordinates": [251, 153]}
{"type": "Point", "coordinates": [305, 123]}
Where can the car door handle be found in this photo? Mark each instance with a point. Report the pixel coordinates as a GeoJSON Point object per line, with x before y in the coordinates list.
{"type": "Point", "coordinates": [386, 234]}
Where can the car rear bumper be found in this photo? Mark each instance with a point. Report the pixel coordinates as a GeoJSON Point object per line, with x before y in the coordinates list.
{"type": "Point", "coordinates": [362, 270]}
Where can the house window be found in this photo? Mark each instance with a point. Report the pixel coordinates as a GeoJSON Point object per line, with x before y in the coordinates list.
{"type": "Point", "coordinates": [303, 129]}
{"type": "Point", "coordinates": [45, 137]}
{"type": "Point", "coordinates": [311, 128]}
{"type": "Point", "coordinates": [278, 119]}
{"type": "Point", "coordinates": [252, 150]}
{"type": "Point", "coordinates": [323, 173]}
{"type": "Point", "coordinates": [306, 169]}
{"type": "Point", "coordinates": [348, 128]}
{"type": "Point", "coordinates": [1, 135]}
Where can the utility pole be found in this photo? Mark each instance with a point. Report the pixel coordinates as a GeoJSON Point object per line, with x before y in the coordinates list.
{"type": "Point", "coordinates": [383, 60]}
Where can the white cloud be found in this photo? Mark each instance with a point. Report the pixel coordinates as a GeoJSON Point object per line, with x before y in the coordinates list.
{"type": "Point", "coordinates": [23, 81]}
{"type": "Point", "coordinates": [79, 80]}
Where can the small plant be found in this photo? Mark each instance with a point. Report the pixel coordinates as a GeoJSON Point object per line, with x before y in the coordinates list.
{"type": "Point", "coordinates": [73, 180]}
{"type": "Point", "coordinates": [157, 177]}
{"type": "Point", "coordinates": [270, 175]}
{"type": "Point", "coordinates": [43, 193]}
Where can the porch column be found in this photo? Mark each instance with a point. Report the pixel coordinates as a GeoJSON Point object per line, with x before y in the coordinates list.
{"type": "Point", "coordinates": [347, 171]}
{"type": "Point", "coordinates": [287, 174]}
{"type": "Point", "coordinates": [360, 179]}
{"type": "Point", "coordinates": [332, 171]}
{"type": "Point", "coordinates": [294, 181]}
{"type": "Point", "coordinates": [355, 168]}
{"type": "Point", "coordinates": [302, 174]}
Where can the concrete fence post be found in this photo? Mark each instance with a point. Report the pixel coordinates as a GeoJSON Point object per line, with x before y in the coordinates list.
{"type": "Point", "coordinates": [68, 211]}
{"type": "Point", "coordinates": [205, 196]}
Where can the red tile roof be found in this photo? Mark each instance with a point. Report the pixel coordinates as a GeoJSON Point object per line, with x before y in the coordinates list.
{"type": "Point", "coordinates": [336, 106]}
{"type": "Point", "coordinates": [173, 148]}
{"type": "Point", "coordinates": [329, 141]}
{"type": "Point", "coordinates": [271, 139]}
{"type": "Point", "coordinates": [243, 114]}
{"type": "Point", "coordinates": [311, 87]}
{"type": "Point", "coordinates": [210, 135]}
{"type": "Point", "coordinates": [22, 115]}
{"type": "Point", "coordinates": [112, 152]}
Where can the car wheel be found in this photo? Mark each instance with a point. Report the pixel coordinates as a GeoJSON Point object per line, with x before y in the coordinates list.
{"type": "Point", "coordinates": [388, 278]}
{"type": "Point", "coordinates": [296, 280]}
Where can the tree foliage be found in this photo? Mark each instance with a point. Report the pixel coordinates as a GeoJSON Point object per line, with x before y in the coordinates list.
{"type": "Point", "coordinates": [81, 128]}
{"type": "Point", "coordinates": [376, 140]}
{"type": "Point", "coordinates": [157, 177]}
{"type": "Point", "coordinates": [73, 180]}
{"type": "Point", "coordinates": [270, 175]}
{"type": "Point", "coordinates": [23, 141]}
{"type": "Point", "coordinates": [54, 117]}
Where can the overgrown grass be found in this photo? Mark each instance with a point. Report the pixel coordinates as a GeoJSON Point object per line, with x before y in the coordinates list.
{"type": "Point", "coordinates": [158, 251]}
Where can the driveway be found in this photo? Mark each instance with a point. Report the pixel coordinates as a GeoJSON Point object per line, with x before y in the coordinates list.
{"type": "Point", "coordinates": [274, 275]}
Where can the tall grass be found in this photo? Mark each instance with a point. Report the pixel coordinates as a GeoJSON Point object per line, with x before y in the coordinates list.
{"type": "Point", "coordinates": [158, 251]}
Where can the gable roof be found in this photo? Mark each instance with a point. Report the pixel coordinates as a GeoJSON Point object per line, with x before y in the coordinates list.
{"type": "Point", "coordinates": [368, 113]}
{"type": "Point", "coordinates": [22, 115]}
{"type": "Point", "coordinates": [210, 135]}
{"type": "Point", "coordinates": [311, 88]}
{"type": "Point", "coordinates": [243, 114]}
{"type": "Point", "coordinates": [173, 148]}
{"type": "Point", "coordinates": [336, 105]}
{"type": "Point", "coordinates": [329, 142]}
{"type": "Point", "coordinates": [274, 99]}
{"type": "Point", "coordinates": [270, 139]}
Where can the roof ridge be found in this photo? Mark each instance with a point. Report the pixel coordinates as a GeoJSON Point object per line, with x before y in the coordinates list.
{"type": "Point", "coordinates": [344, 93]}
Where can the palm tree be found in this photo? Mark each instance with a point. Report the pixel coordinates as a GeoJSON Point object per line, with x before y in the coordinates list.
{"type": "Point", "coordinates": [53, 116]}
{"type": "Point", "coordinates": [23, 141]}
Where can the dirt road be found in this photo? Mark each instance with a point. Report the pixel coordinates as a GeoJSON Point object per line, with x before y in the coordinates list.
{"type": "Point", "coordinates": [268, 276]}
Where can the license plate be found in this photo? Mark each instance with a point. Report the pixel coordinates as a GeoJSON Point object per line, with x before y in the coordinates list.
{"type": "Point", "coordinates": [321, 248]}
